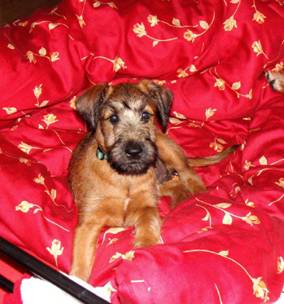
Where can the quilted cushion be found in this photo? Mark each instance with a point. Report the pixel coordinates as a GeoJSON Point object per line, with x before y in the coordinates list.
{"type": "Point", "coordinates": [223, 246]}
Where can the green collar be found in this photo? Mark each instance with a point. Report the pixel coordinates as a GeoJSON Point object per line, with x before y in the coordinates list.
{"type": "Point", "coordinates": [101, 155]}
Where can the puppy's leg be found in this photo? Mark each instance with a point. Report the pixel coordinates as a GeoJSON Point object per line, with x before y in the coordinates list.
{"type": "Point", "coordinates": [143, 214]}
{"type": "Point", "coordinates": [147, 227]}
{"type": "Point", "coordinates": [174, 158]}
{"type": "Point", "coordinates": [276, 80]}
{"type": "Point", "coordinates": [106, 212]}
{"type": "Point", "coordinates": [175, 189]}
{"type": "Point", "coordinates": [84, 248]}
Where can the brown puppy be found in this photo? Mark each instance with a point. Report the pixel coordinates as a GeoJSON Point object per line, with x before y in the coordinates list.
{"type": "Point", "coordinates": [276, 80]}
{"type": "Point", "coordinates": [124, 164]}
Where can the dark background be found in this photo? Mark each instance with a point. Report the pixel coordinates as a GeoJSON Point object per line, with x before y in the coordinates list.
{"type": "Point", "coordinates": [11, 10]}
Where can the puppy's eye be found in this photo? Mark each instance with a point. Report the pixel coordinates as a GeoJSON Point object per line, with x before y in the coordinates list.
{"type": "Point", "coordinates": [114, 119]}
{"type": "Point", "coordinates": [145, 117]}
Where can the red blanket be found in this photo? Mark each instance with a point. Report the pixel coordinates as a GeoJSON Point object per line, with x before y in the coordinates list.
{"type": "Point", "coordinates": [224, 246]}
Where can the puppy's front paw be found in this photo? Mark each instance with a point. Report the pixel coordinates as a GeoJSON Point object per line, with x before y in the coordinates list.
{"type": "Point", "coordinates": [147, 241]}
{"type": "Point", "coordinates": [145, 236]}
{"type": "Point", "coordinates": [80, 272]}
{"type": "Point", "coordinates": [276, 80]}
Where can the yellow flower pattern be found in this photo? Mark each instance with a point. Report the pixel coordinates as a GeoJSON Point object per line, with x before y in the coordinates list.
{"type": "Point", "coordinates": [111, 4]}
{"type": "Point", "coordinates": [259, 287]}
{"type": "Point", "coordinates": [52, 193]}
{"type": "Point", "coordinates": [190, 33]}
{"type": "Point", "coordinates": [10, 110]}
{"type": "Point", "coordinates": [37, 93]}
{"type": "Point", "coordinates": [230, 24]}
{"type": "Point", "coordinates": [48, 119]}
{"type": "Point", "coordinates": [218, 144]}
{"type": "Point", "coordinates": [280, 182]}
{"type": "Point", "coordinates": [209, 113]}
{"type": "Point", "coordinates": [25, 207]}
{"type": "Point", "coordinates": [56, 249]}
{"type": "Point", "coordinates": [42, 52]}
{"type": "Point", "coordinates": [257, 48]}
{"type": "Point", "coordinates": [140, 31]}
{"type": "Point", "coordinates": [26, 148]}
{"type": "Point", "coordinates": [220, 84]}
{"type": "Point", "coordinates": [129, 256]}
{"type": "Point", "coordinates": [258, 16]}
{"type": "Point", "coordinates": [234, 87]}
{"type": "Point", "coordinates": [189, 36]}
{"type": "Point", "coordinates": [228, 217]}
{"type": "Point", "coordinates": [118, 64]}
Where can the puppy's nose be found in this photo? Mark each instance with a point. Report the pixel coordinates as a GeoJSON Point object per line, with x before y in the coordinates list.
{"type": "Point", "coordinates": [133, 149]}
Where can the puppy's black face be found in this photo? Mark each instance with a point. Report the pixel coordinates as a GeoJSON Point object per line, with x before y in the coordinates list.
{"type": "Point", "coordinates": [125, 125]}
{"type": "Point", "coordinates": [133, 157]}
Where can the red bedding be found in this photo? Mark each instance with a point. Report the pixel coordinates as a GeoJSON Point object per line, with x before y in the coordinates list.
{"type": "Point", "coordinates": [223, 246]}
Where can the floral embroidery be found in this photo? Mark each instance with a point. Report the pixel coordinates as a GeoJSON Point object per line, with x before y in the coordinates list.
{"type": "Point", "coordinates": [10, 110]}
{"type": "Point", "coordinates": [140, 31]}
{"type": "Point", "coordinates": [231, 22]}
{"type": "Point", "coordinates": [209, 113]}
{"type": "Point", "coordinates": [51, 193]}
{"type": "Point", "coordinates": [218, 144]}
{"type": "Point", "coordinates": [235, 87]}
{"type": "Point", "coordinates": [42, 52]}
{"type": "Point", "coordinates": [37, 93]}
{"type": "Point", "coordinates": [111, 4]}
{"type": "Point", "coordinates": [257, 49]}
{"type": "Point", "coordinates": [258, 16]}
{"type": "Point", "coordinates": [25, 207]}
{"type": "Point", "coordinates": [56, 250]}
{"type": "Point", "coordinates": [48, 119]}
{"type": "Point", "coordinates": [10, 46]}
{"type": "Point", "coordinates": [220, 84]}
{"type": "Point", "coordinates": [118, 64]}
{"type": "Point", "coordinates": [259, 287]}
{"type": "Point", "coordinates": [26, 148]}
{"type": "Point", "coordinates": [280, 182]}
{"type": "Point", "coordinates": [228, 217]}
{"type": "Point", "coordinates": [263, 161]}
{"type": "Point", "coordinates": [129, 256]}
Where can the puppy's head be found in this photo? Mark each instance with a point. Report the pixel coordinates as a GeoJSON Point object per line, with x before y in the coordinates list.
{"type": "Point", "coordinates": [123, 119]}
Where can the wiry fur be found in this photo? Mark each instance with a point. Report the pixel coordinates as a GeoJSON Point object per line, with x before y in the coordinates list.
{"type": "Point", "coordinates": [140, 164]}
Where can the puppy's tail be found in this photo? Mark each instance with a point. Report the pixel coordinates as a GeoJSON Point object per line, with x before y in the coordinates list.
{"type": "Point", "coordinates": [211, 160]}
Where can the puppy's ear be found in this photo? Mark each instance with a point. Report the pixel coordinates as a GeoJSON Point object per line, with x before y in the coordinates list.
{"type": "Point", "coordinates": [162, 98]}
{"type": "Point", "coordinates": [89, 104]}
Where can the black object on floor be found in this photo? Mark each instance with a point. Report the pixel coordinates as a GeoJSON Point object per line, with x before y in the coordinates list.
{"type": "Point", "coordinates": [35, 266]}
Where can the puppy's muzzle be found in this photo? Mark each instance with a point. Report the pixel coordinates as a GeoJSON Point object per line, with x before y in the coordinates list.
{"type": "Point", "coordinates": [133, 150]}
{"type": "Point", "coordinates": [133, 156]}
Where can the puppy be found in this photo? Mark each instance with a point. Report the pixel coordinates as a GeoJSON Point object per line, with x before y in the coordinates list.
{"type": "Point", "coordinates": [124, 164]}
{"type": "Point", "coordinates": [276, 80]}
